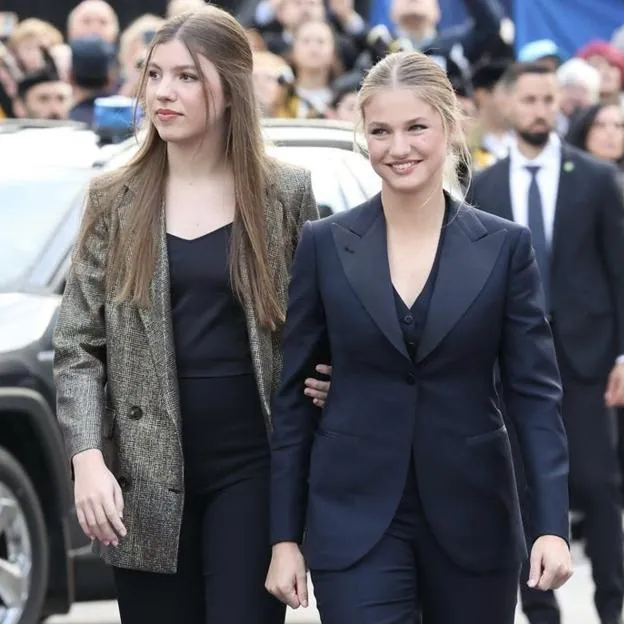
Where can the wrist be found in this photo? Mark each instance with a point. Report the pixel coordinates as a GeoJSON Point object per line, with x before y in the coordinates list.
{"type": "Point", "coordinates": [285, 546]}
{"type": "Point", "coordinates": [87, 456]}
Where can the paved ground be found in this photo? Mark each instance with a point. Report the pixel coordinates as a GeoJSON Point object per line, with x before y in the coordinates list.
{"type": "Point", "coordinates": [575, 598]}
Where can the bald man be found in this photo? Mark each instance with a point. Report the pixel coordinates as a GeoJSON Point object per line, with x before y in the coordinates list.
{"type": "Point", "coordinates": [175, 7]}
{"type": "Point", "coordinates": [93, 17]}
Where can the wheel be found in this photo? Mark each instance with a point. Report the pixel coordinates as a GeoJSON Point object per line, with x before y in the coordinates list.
{"type": "Point", "coordinates": [24, 549]}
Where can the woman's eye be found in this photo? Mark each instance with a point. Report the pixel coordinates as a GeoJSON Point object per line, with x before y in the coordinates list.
{"type": "Point", "coordinates": [152, 73]}
{"type": "Point", "coordinates": [188, 77]}
{"type": "Point", "coordinates": [418, 127]}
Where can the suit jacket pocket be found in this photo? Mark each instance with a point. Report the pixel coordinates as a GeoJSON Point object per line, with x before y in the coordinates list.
{"type": "Point", "coordinates": [487, 436]}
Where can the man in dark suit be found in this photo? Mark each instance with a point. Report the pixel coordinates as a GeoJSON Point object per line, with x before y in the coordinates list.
{"type": "Point", "coordinates": [574, 208]}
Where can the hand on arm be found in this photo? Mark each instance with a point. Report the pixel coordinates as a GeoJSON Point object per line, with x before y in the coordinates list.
{"type": "Point", "coordinates": [318, 389]}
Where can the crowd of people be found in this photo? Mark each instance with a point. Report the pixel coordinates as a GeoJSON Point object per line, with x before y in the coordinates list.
{"type": "Point", "coordinates": [310, 57]}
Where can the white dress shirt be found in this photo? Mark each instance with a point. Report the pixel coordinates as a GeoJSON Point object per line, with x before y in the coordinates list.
{"type": "Point", "coordinates": [549, 163]}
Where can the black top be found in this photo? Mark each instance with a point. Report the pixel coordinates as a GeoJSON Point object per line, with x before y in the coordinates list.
{"type": "Point", "coordinates": [413, 319]}
{"type": "Point", "coordinates": [209, 325]}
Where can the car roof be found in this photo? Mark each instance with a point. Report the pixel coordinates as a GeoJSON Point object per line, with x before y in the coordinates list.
{"type": "Point", "coordinates": [46, 143]}
{"type": "Point", "coordinates": [74, 145]}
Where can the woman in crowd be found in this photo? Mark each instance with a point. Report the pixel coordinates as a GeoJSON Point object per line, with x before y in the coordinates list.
{"type": "Point", "coordinates": [315, 65]}
{"type": "Point", "coordinates": [167, 342]}
{"type": "Point", "coordinates": [599, 130]}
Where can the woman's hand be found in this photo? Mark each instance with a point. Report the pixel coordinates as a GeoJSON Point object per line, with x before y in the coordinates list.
{"type": "Point", "coordinates": [551, 563]}
{"type": "Point", "coordinates": [316, 389]}
{"type": "Point", "coordinates": [98, 498]}
{"type": "Point", "coordinates": [287, 579]}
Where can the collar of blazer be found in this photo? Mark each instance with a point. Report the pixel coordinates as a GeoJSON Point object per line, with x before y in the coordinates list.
{"type": "Point", "coordinates": [468, 255]}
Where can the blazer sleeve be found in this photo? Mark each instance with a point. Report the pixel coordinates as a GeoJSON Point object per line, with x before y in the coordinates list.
{"type": "Point", "coordinates": [612, 246]}
{"type": "Point", "coordinates": [532, 393]}
{"type": "Point", "coordinates": [308, 209]}
{"type": "Point", "coordinates": [297, 215]}
{"type": "Point", "coordinates": [294, 415]}
{"type": "Point", "coordinates": [80, 340]}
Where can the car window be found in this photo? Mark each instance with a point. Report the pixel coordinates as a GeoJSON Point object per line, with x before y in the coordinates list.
{"type": "Point", "coordinates": [32, 207]}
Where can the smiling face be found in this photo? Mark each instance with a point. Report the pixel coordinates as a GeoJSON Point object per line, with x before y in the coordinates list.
{"type": "Point", "coordinates": [406, 138]}
{"type": "Point", "coordinates": [175, 94]}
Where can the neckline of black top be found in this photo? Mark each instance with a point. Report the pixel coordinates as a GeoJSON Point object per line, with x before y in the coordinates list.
{"type": "Point", "coordinates": [197, 238]}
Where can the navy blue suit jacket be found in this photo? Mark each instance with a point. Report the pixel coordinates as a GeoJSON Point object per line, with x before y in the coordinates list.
{"type": "Point", "coordinates": [338, 475]}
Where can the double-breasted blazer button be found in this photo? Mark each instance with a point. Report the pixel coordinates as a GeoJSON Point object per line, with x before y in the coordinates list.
{"type": "Point", "coordinates": [124, 483]}
{"type": "Point", "coordinates": [135, 413]}
{"type": "Point", "coordinates": [411, 379]}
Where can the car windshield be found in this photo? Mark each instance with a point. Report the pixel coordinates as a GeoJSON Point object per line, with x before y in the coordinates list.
{"type": "Point", "coordinates": [32, 206]}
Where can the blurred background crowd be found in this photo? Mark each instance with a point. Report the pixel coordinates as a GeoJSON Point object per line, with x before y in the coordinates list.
{"type": "Point", "coordinates": [310, 56]}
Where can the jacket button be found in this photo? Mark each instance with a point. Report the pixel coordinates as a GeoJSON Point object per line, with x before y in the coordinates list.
{"type": "Point", "coordinates": [411, 379]}
{"type": "Point", "coordinates": [136, 413]}
{"type": "Point", "coordinates": [124, 483]}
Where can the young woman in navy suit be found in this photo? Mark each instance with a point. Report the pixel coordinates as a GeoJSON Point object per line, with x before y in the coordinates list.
{"type": "Point", "coordinates": [401, 498]}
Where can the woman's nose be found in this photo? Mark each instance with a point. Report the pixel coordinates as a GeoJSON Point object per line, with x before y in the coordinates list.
{"type": "Point", "coordinates": [400, 145]}
{"type": "Point", "coordinates": [164, 90]}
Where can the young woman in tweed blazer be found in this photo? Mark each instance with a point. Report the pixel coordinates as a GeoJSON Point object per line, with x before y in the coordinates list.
{"type": "Point", "coordinates": [167, 343]}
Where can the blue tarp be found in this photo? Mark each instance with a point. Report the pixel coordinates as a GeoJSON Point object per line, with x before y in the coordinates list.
{"type": "Point", "coordinates": [570, 23]}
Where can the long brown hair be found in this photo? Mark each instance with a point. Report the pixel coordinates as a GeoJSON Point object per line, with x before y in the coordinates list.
{"type": "Point", "coordinates": [216, 35]}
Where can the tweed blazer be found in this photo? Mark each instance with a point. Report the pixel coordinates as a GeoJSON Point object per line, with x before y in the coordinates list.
{"type": "Point", "coordinates": [116, 377]}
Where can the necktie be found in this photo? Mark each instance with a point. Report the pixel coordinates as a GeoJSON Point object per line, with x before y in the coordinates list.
{"type": "Point", "coordinates": [538, 233]}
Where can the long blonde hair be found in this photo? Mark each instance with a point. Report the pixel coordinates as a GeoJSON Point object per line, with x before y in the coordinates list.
{"type": "Point", "coordinates": [417, 71]}
{"type": "Point", "coordinates": [216, 35]}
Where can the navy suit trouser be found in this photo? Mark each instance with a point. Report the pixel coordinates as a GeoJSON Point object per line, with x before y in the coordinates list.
{"type": "Point", "coordinates": [408, 579]}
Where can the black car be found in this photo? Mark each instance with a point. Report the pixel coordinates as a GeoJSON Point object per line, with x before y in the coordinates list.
{"type": "Point", "coordinates": [45, 561]}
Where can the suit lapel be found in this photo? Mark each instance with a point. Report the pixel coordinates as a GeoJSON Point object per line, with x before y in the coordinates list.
{"type": "Point", "coordinates": [568, 183]}
{"type": "Point", "coordinates": [259, 338]}
{"type": "Point", "coordinates": [363, 253]}
{"type": "Point", "coordinates": [467, 258]}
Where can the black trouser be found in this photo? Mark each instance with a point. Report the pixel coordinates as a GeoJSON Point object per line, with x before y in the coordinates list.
{"type": "Point", "coordinates": [224, 556]}
{"type": "Point", "coordinates": [595, 488]}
